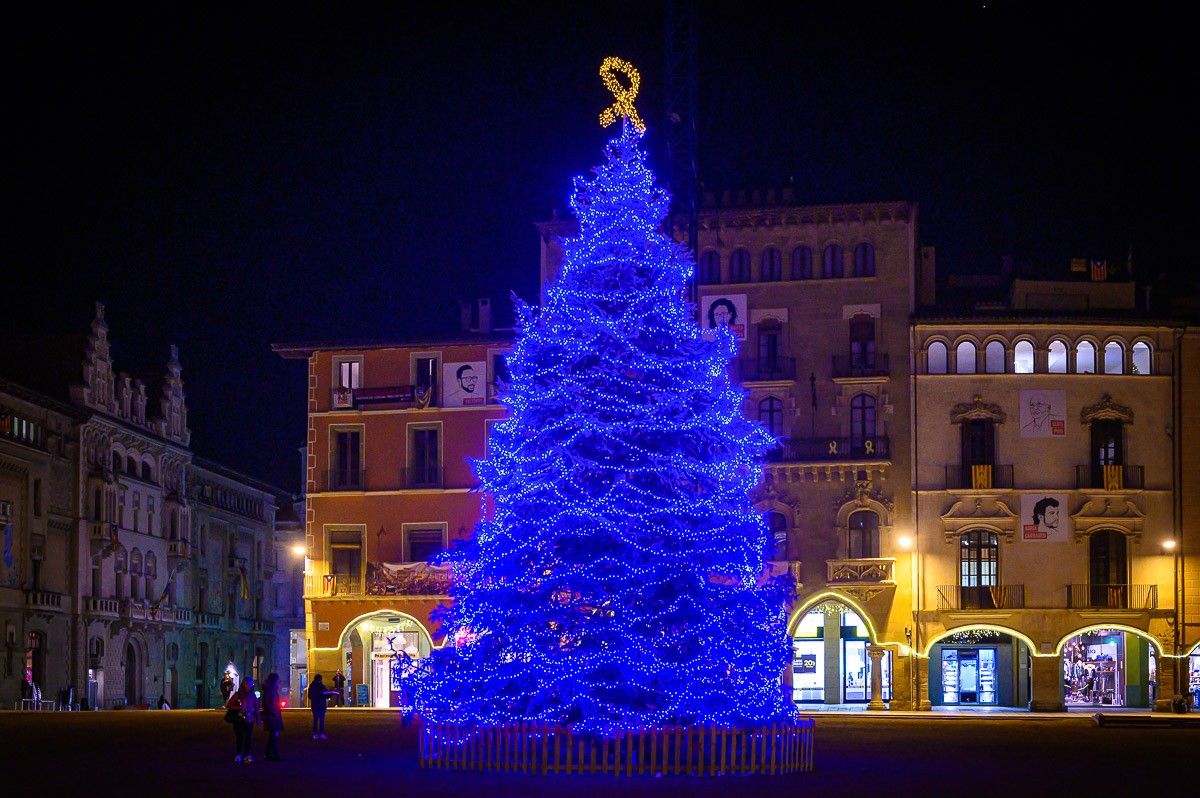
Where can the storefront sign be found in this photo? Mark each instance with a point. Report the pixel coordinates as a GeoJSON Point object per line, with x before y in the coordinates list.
{"type": "Point", "coordinates": [806, 663]}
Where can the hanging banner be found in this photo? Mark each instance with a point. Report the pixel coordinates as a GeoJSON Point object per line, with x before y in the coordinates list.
{"type": "Point", "coordinates": [1043, 414]}
{"type": "Point", "coordinates": [1045, 517]}
{"type": "Point", "coordinates": [464, 384]}
{"type": "Point", "coordinates": [727, 310]}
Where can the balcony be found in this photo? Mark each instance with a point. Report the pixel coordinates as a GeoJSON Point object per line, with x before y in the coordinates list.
{"type": "Point", "coordinates": [981, 597]}
{"type": "Point", "coordinates": [262, 626]}
{"type": "Point", "coordinates": [412, 396]}
{"type": "Point", "coordinates": [102, 607]}
{"type": "Point", "coordinates": [182, 616]}
{"type": "Point", "coordinates": [422, 478]}
{"type": "Point", "coordinates": [1109, 477]}
{"type": "Point", "coordinates": [1112, 597]}
{"type": "Point", "coordinates": [859, 366]}
{"type": "Point", "coordinates": [407, 579]}
{"type": "Point", "coordinates": [102, 531]}
{"type": "Point", "coordinates": [766, 369]}
{"type": "Point", "coordinates": [866, 570]}
{"type": "Point", "coordinates": [339, 479]}
{"type": "Point", "coordinates": [979, 477]}
{"type": "Point", "coordinates": [829, 450]}
{"type": "Point", "coordinates": [209, 620]}
{"type": "Point", "coordinates": [179, 549]}
{"type": "Point", "coordinates": [134, 609]}
{"type": "Point", "coordinates": [43, 600]}
{"type": "Point", "coordinates": [331, 585]}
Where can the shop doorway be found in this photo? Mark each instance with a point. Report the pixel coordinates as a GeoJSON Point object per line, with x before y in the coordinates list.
{"type": "Point", "coordinates": [830, 663]}
{"type": "Point", "coordinates": [1194, 678]}
{"type": "Point", "coordinates": [979, 667]}
{"type": "Point", "coordinates": [372, 649]}
{"type": "Point", "coordinates": [1108, 668]}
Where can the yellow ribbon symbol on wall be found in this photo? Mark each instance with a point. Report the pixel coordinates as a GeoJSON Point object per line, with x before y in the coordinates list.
{"type": "Point", "coordinates": [623, 107]}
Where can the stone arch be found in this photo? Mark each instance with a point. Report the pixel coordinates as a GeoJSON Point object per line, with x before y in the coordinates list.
{"type": "Point", "coordinates": [827, 596]}
{"type": "Point", "coordinates": [986, 627]}
{"type": "Point", "coordinates": [862, 502]}
{"type": "Point", "coordinates": [1120, 627]}
{"type": "Point", "coordinates": [385, 613]}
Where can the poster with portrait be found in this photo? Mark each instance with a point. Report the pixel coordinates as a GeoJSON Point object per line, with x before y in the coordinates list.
{"type": "Point", "coordinates": [724, 310]}
{"type": "Point", "coordinates": [464, 384]}
{"type": "Point", "coordinates": [1045, 517]}
{"type": "Point", "coordinates": [1043, 414]}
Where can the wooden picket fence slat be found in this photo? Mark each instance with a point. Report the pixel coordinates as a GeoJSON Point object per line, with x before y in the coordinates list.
{"type": "Point", "coordinates": [535, 748]}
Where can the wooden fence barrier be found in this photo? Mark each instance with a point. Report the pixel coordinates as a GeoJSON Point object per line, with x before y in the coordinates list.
{"type": "Point", "coordinates": [535, 748]}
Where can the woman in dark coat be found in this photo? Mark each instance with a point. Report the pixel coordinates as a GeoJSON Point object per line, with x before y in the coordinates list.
{"type": "Point", "coordinates": [244, 705]}
{"type": "Point", "coordinates": [272, 715]}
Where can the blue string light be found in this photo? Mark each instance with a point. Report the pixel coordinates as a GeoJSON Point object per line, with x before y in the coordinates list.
{"type": "Point", "coordinates": [618, 582]}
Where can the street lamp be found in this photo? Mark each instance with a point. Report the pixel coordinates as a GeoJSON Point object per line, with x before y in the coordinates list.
{"type": "Point", "coordinates": [1168, 545]}
{"type": "Point", "coordinates": [299, 550]}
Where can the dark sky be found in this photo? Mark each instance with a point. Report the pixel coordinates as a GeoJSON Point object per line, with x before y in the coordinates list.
{"type": "Point", "coordinates": [226, 178]}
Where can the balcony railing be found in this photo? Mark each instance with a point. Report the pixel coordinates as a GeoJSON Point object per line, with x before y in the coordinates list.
{"type": "Point", "coordinates": [107, 607]}
{"type": "Point", "coordinates": [979, 477]}
{"type": "Point", "coordinates": [981, 597]}
{"type": "Point", "coordinates": [210, 620]}
{"type": "Point", "coordinates": [43, 600]}
{"type": "Point", "coordinates": [1110, 477]}
{"type": "Point", "coordinates": [183, 616]}
{"type": "Point", "coordinates": [333, 585]}
{"type": "Point", "coordinates": [422, 477]}
{"type": "Point", "coordinates": [766, 369]}
{"type": "Point", "coordinates": [860, 570]}
{"type": "Point", "coordinates": [1112, 597]}
{"type": "Point", "coordinates": [407, 579]}
{"type": "Point", "coordinates": [845, 366]}
{"type": "Point", "coordinates": [402, 395]}
{"type": "Point", "coordinates": [134, 609]}
{"type": "Point", "coordinates": [805, 450]}
{"type": "Point", "coordinates": [344, 479]}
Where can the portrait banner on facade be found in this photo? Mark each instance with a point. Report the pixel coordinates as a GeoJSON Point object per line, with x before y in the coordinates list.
{"type": "Point", "coordinates": [464, 384]}
{"type": "Point", "coordinates": [1045, 517]}
{"type": "Point", "coordinates": [725, 310]}
{"type": "Point", "coordinates": [1043, 414]}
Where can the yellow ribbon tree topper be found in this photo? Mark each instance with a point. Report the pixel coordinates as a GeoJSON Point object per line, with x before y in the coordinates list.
{"type": "Point", "coordinates": [623, 107]}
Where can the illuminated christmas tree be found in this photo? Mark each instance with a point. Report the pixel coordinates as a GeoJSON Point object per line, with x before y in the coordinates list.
{"type": "Point", "coordinates": [618, 582]}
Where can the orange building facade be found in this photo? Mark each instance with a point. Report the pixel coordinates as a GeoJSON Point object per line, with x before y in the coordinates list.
{"type": "Point", "coordinates": [392, 428]}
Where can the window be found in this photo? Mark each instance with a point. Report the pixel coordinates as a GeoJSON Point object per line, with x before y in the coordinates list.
{"type": "Point", "coordinates": [739, 266]}
{"type": "Point", "coordinates": [500, 373]}
{"type": "Point", "coordinates": [1114, 358]}
{"type": "Point", "coordinates": [770, 415]}
{"type": "Point", "coordinates": [771, 265]}
{"type": "Point", "coordinates": [1023, 358]}
{"type": "Point", "coordinates": [802, 263]}
{"type": "Point", "coordinates": [349, 373]}
{"type": "Point", "coordinates": [1056, 361]}
{"type": "Point", "coordinates": [1107, 447]}
{"type": "Point", "coordinates": [345, 562]}
{"type": "Point", "coordinates": [131, 466]}
{"type": "Point", "coordinates": [862, 420]}
{"type": "Point", "coordinates": [777, 536]}
{"type": "Point", "coordinates": [424, 461]}
{"type": "Point", "coordinates": [831, 261]}
{"type": "Point", "coordinates": [425, 376]}
{"type": "Point", "coordinates": [1085, 358]}
{"type": "Point", "coordinates": [993, 358]}
{"type": "Point", "coordinates": [116, 463]}
{"type": "Point", "coordinates": [978, 444]}
{"type": "Point", "coordinates": [425, 544]}
{"type": "Point", "coordinates": [1107, 568]}
{"type": "Point", "coordinates": [936, 358]}
{"type": "Point", "coordinates": [862, 343]}
{"type": "Point", "coordinates": [770, 344]}
{"type": "Point", "coordinates": [864, 260]}
{"type": "Point", "coordinates": [1141, 358]}
{"type": "Point", "coordinates": [977, 562]}
{"type": "Point", "coordinates": [146, 473]}
{"type": "Point", "coordinates": [347, 472]}
{"type": "Point", "coordinates": [863, 538]}
{"type": "Point", "coordinates": [964, 357]}
{"type": "Point", "coordinates": [709, 272]}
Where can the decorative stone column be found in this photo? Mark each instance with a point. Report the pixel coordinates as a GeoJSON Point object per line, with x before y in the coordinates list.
{"type": "Point", "coordinates": [876, 655]}
{"type": "Point", "coordinates": [1166, 683]}
{"type": "Point", "coordinates": [921, 664]}
{"type": "Point", "coordinates": [1046, 684]}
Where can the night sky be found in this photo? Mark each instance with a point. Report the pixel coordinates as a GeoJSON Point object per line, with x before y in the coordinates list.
{"type": "Point", "coordinates": [224, 179]}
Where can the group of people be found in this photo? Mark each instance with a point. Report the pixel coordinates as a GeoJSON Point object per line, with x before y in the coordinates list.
{"type": "Point", "coordinates": [245, 709]}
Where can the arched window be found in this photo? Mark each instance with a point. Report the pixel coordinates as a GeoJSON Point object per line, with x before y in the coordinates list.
{"type": "Point", "coordinates": [993, 358]}
{"type": "Point", "coordinates": [935, 358]}
{"type": "Point", "coordinates": [777, 542]}
{"type": "Point", "coordinates": [831, 261]}
{"type": "Point", "coordinates": [116, 462]}
{"type": "Point", "coordinates": [802, 263]}
{"type": "Point", "coordinates": [771, 265]}
{"type": "Point", "coordinates": [862, 421]}
{"type": "Point", "coordinates": [864, 260]}
{"type": "Point", "coordinates": [964, 356]}
{"type": "Point", "coordinates": [770, 415]}
{"type": "Point", "coordinates": [863, 540]}
{"type": "Point", "coordinates": [1085, 358]}
{"type": "Point", "coordinates": [739, 266]}
{"type": "Point", "coordinates": [1114, 358]}
{"type": "Point", "coordinates": [146, 473]}
{"type": "Point", "coordinates": [1023, 358]}
{"type": "Point", "coordinates": [1056, 358]}
{"type": "Point", "coordinates": [978, 557]}
{"type": "Point", "coordinates": [131, 466]}
{"type": "Point", "coordinates": [709, 272]}
{"type": "Point", "coordinates": [1141, 358]}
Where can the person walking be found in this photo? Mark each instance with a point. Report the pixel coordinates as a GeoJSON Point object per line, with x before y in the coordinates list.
{"type": "Point", "coordinates": [339, 685]}
{"type": "Point", "coordinates": [272, 715]}
{"type": "Point", "coordinates": [242, 711]}
{"type": "Point", "coordinates": [318, 698]}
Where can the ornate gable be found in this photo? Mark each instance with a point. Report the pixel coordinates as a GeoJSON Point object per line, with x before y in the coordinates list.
{"type": "Point", "coordinates": [976, 409]}
{"type": "Point", "coordinates": [979, 512]}
{"type": "Point", "coordinates": [1106, 410]}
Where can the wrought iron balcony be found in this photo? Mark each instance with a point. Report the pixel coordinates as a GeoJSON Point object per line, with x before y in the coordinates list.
{"type": "Point", "coordinates": [979, 477]}
{"type": "Point", "coordinates": [860, 570]}
{"type": "Point", "coordinates": [765, 369]}
{"type": "Point", "coordinates": [418, 396]}
{"type": "Point", "coordinates": [1112, 597]}
{"type": "Point", "coordinates": [1109, 477]}
{"type": "Point", "coordinates": [849, 366]}
{"type": "Point", "coordinates": [981, 597]}
{"type": "Point", "coordinates": [808, 450]}
{"type": "Point", "coordinates": [327, 585]}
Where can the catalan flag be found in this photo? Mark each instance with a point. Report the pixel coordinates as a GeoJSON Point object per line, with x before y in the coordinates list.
{"type": "Point", "coordinates": [1113, 477]}
{"type": "Point", "coordinates": [245, 584]}
{"type": "Point", "coordinates": [981, 477]}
